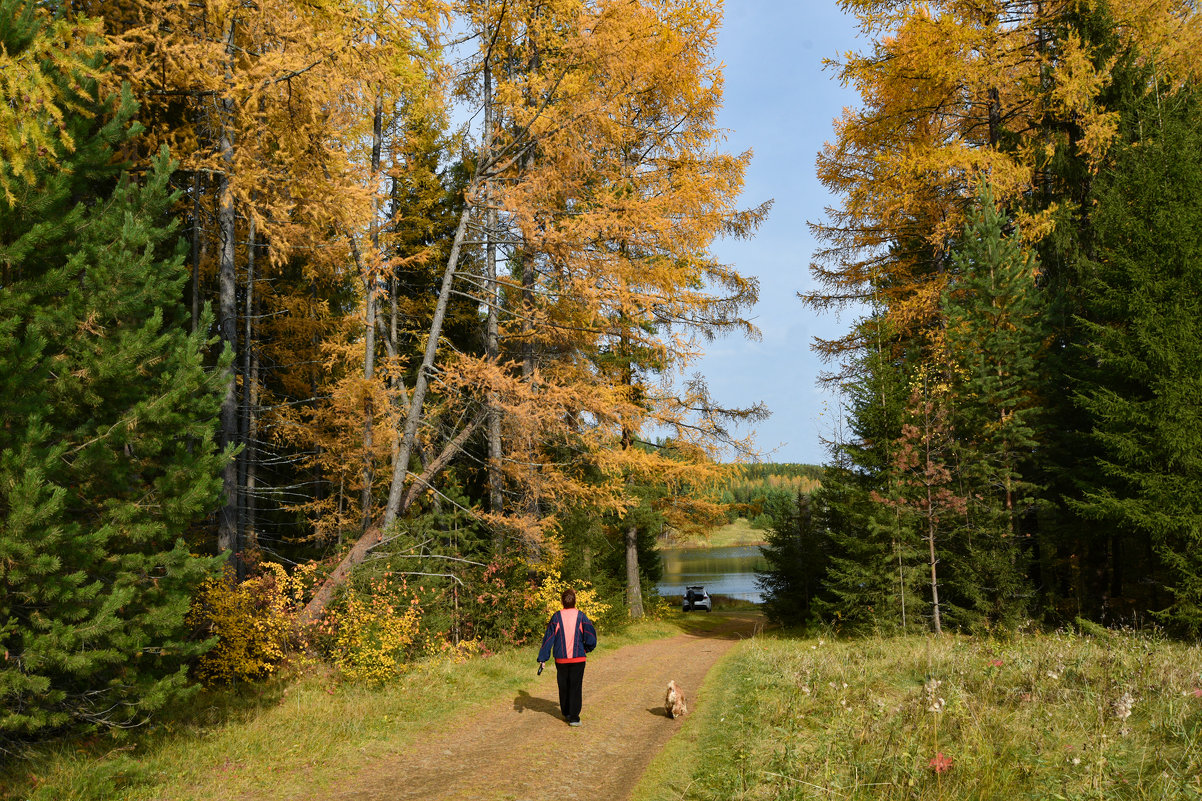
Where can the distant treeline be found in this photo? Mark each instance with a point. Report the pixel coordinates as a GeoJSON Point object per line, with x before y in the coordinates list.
{"type": "Point", "coordinates": [758, 491]}
{"type": "Point", "coordinates": [767, 470]}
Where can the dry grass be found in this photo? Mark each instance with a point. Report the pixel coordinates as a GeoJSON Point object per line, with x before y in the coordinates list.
{"type": "Point", "coordinates": [1035, 717]}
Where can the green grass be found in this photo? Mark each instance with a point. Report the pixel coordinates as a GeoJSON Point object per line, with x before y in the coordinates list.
{"type": "Point", "coordinates": [1036, 717]}
{"type": "Point", "coordinates": [276, 738]}
{"type": "Point", "coordinates": [733, 534]}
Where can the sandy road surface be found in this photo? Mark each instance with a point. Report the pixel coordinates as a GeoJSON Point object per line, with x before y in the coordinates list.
{"type": "Point", "coordinates": [521, 749]}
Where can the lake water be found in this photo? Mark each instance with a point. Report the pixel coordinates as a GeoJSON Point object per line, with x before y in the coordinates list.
{"type": "Point", "coordinates": [723, 571]}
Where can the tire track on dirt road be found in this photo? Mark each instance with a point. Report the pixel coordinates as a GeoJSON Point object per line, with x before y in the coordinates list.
{"type": "Point", "coordinates": [520, 749]}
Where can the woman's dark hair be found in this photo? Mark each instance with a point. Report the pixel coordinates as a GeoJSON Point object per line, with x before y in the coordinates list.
{"type": "Point", "coordinates": [569, 598]}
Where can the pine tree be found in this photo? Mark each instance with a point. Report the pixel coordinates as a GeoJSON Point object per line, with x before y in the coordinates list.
{"type": "Point", "coordinates": [871, 582]}
{"type": "Point", "coordinates": [1145, 322]}
{"type": "Point", "coordinates": [105, 429]}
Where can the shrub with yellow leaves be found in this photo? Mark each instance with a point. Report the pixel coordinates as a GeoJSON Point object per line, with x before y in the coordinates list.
{"type": "Point", "coordinates": [250, 620]}
{"type": "Point", "coordinates": [456, 652]}
{"type": "Point", "coordinates": [373, 632]}
{"type": "Point", "coordinates": [657, 607]}
{"type": "Point", "coordinates": [547, 597]}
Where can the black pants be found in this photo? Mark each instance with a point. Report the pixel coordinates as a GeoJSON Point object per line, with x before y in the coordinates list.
{"type": "Point", "coordinates": [570, 677]}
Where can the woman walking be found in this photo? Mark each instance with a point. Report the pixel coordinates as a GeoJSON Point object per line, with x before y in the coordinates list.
{"type": "Point", "coordinates": [570, 635]}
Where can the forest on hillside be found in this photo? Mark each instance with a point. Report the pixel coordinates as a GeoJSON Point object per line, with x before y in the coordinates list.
{"type": "Point", "coordinates": [356, 328]}
{"type": "Point", "coordinates": [1019, 210]}
{"type": "Point", "coordinates": [764, 492]}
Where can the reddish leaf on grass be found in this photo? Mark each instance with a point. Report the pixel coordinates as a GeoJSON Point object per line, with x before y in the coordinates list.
{"type": "Point", "coordinates": [941, 763]}
{"type": "Point", "coordinates": [1198, 692]}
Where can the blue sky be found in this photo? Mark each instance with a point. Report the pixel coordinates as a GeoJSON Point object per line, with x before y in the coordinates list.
{"type": "Point", "coordinates": [780, 103]}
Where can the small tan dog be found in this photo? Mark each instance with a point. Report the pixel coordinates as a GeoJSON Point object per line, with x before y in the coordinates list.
{"type": "Point", "coordinates": [674, 703]}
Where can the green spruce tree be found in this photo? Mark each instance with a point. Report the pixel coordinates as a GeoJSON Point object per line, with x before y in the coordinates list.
{"type": "Point", "coordinates": [994, 333]}
{"type": "Point", "coordinates": [869, 581]}
{"type": "Point", "coordinates": [106, 424]}
{"type": "Point", "coordinates": [1144, 317]}
{"type": "Point", "coordinates": [795, 560]}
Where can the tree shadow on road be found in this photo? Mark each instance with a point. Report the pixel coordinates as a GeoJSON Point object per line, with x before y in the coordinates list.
{"type": "Point", "coordinates": [525, 701]}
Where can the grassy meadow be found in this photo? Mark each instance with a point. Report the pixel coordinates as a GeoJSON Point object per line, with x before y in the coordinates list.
{"type": "Point", "coordinates": [1035, 717]}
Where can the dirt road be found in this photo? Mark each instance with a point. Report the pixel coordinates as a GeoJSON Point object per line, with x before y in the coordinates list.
{"type": "Point", "coordinates": [521, 749]}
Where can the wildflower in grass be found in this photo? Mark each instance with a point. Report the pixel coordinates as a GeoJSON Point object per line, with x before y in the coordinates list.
{"type": "Point", "coordinates": [934, 702]}
{"type": "Point", "coordinates": [1122, 706]}
{"type": "Point", "coordinates": [940, 763]}
{"type": "Point", "coordinates": [997, 663]}
{"type": "Point", "coordinates": [1198, 692]}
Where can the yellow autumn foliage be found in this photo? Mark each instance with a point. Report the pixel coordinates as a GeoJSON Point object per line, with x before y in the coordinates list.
{"type": "Point", "coordinates": [374, 632]}
{"type": "Point", "coordinates": [251, 621]}
{"type": "Point", "coordinates": [547, 597]}
{"type": "Point", "coordinates": [456, 652]}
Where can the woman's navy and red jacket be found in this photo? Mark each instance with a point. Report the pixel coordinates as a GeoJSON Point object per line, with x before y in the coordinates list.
{"type": "Point", "coordinates": [583, 638]}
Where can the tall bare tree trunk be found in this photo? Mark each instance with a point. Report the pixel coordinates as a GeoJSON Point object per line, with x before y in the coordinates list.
{"type": "Point", "coordinates": [931, 543]}
{"type": "Point", "coordinates": [634, 587]}
{"type": "Point", "coordinates": [196, 231]}
{"type": "Point", "coordinates": [247, 454]}
{"type": "Point", "coordinates": [252, 467]}
{"type": "Point", "coordinates": [227, 524]}
{"type": "Point", "coordinates": [934, 577]}
{"type": "Point", "coordinates": [496, 498]}
{"type": "Point", "coordinates": [321, 485]}
{"type": "Point", "coordinates": [369, 324]}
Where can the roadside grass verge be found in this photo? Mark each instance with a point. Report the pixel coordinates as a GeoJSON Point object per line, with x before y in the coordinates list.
{"type": "Point", "coordinates": [1118, 716]}
{"type": "Point", "coordinates": [290, 736]}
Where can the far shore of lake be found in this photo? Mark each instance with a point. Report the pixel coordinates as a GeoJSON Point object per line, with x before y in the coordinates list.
{"type": "Point", "coordinates": [734, 534]}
